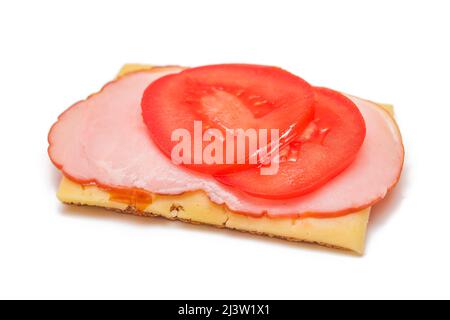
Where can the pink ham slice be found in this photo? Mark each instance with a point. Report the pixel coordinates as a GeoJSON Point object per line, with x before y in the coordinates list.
{"type": "Point", "coordinates": [104, 140]}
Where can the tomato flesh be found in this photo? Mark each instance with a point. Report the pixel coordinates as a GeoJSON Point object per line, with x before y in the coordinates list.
{"type": "Point", "coordinates": [224, 97]}
{"type": "Point", "coordinates": [326, 147]}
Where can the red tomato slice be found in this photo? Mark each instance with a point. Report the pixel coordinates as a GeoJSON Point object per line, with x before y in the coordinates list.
{"type": "Point", "coordinates": [224, 97]}
{"type": "Point", "coordinates": [326, 147]}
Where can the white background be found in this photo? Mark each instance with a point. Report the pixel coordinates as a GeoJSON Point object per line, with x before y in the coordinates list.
{"type": "Point", "coordinates": [54, 53]}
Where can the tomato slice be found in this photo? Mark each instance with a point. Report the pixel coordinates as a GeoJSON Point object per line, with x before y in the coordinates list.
{"type": "Point", "coordinates": [327, 146]}
{"type": "Point", "coordinates": [226, 97]}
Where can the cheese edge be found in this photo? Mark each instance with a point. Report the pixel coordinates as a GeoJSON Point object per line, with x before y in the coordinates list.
{"type": "Point", "coordinates": [346, 232]}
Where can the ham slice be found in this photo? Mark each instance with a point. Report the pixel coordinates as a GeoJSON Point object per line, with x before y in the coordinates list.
{"type": "Point", "coordinates": [104, 140]}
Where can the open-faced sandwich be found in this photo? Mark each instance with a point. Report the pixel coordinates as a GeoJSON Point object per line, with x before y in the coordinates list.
{"type": "Point", "coordinates": [245, 147]}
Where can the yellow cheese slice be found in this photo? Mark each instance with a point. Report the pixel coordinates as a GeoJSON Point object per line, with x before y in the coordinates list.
{"type": "Point", "coordinates": [346, 232]}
